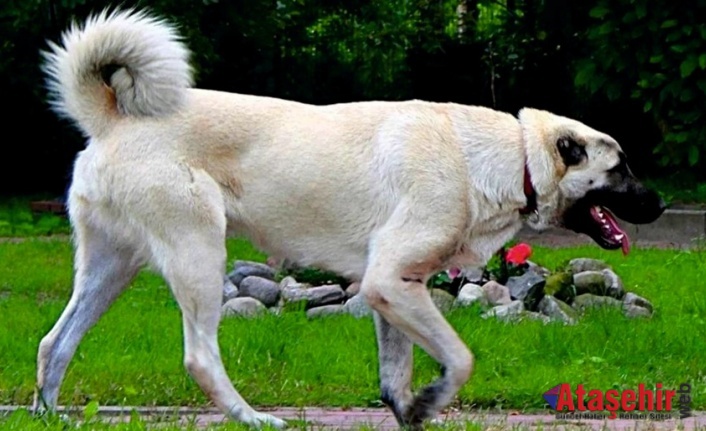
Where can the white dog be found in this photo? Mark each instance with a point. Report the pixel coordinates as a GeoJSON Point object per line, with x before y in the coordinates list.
{"type": "Point", "coordinates": [383, 192]}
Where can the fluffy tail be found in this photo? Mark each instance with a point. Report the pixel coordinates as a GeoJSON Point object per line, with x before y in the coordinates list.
{"type": "Point", "coordinates": [123, 63]}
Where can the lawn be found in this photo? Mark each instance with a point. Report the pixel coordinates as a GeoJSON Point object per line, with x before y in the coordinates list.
{"type": "Point", "coordinates": [134, 355]}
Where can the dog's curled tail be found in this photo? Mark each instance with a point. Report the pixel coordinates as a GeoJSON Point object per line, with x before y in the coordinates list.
{"type": "Point", "coordinates": [120, 63]}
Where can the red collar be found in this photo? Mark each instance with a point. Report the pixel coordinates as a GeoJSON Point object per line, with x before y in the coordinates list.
{"type": "Point", "coordinates": [530, 194]}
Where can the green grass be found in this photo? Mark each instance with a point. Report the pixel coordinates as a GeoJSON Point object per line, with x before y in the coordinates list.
{"type": "Point", "coordinates": [134, 355]}
{"type": "Point", "coordinates": [17, 220]}
{"type": "Point", "coordinates": [22, 420]}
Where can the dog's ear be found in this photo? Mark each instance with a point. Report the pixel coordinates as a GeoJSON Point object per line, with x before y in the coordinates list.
{"type": "Point", "coordinates": [571, 152]}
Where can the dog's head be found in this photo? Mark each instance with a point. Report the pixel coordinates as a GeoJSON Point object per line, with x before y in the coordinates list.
{"type": "Point", "coordinates": [583, 181]}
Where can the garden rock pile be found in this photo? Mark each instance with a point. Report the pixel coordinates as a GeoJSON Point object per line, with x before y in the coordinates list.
{"type": "Point", "coordinates": [560, 296]}
{"type": "Point", "coordinates": [532, 292]}
{"type": "Point", "coordinates": [251, 289]}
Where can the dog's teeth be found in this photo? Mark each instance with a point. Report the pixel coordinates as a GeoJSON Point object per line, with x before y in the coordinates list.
{"type": "Point", "coordinates": [619, 237]}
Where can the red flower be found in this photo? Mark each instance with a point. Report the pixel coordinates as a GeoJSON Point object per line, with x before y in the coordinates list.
{"type": "Point", "coordinates": [518, 254]}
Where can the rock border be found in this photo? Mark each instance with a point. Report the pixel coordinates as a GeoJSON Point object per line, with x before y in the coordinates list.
{"type": "Point", "coordinates": [532, 292]}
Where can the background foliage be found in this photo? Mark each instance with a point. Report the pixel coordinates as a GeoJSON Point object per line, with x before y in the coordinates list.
{"type": "Point", "coordinates": [632, 68]}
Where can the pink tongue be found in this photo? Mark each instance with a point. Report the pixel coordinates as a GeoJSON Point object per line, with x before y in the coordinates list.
{"type": "Point", "coordinates": [614, 224]}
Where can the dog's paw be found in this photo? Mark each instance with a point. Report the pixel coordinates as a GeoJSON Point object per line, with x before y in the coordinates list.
{"type": "Point", "coordinates": [262, 420]}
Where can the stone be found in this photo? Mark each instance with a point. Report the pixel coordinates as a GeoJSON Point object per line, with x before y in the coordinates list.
{"type": "Point", "coordinates": [633, 311]}
{"type": "Point", "coordinates": [245, 268]}
{"type": "Point", "coordinates": [473, 275]}
{"type": "Point", "coordinates": [561, 286]}
{"type": "Point", "coordinates": [262, 289]}
{"type": "Point", "coordinates": [533, 315]}
{"type": "Point", "coordinates": [443, 300]}
{"type": "Point", "coordinates": [353, 289]}
{"type": "Point", "coordinates": [587, 301]}
{"type": "Point", "coordinates": [496, 293]}
{"type": "Point", "coordinates": [633, 299]}
{"type": "Point", "coordinates": [358, 307]}
{"type": "Point", "coordinates": [557, 310]}
{"type": "Point", "coordinates": [229, 290]}
{"type": "Point", "coordinates": [315, 296]}
{"type": "Point", "coordinates": [243, 307]}
{"type": "Point", "coordinates": [613, 284]}
{"type": "Point", "coordinates": [290, 281]}
{"type": "Point", "coordinates": [507, 313]}
{"type": "Point", "coordinates": [280, 264]}
{"type": "Point", "coordinates": [592, 282]}
{"type": "Point", "coordinates": [325, 310]}
{"type": "Point", "coordinates": [528, 287]}
{"type": "Point", "coordinates": [583, 264]}
{"type": "Point", "coordinates": [544, 272]}
{"type": "Point", "coordinates": [471, 294]}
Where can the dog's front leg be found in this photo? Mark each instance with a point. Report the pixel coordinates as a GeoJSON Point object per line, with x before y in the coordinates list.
{"type": "Point", "coordinates": [395, 357]}
{"type": "Point", "coordinates": [406, 305]}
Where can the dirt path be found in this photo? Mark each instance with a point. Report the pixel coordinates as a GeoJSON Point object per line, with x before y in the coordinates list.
{"type": "Point", "coordinates": [552, 238]}
{"type": "Point", "coordinates": [324, 419]}
{"type": "Point", "coordinates": [556, 239]}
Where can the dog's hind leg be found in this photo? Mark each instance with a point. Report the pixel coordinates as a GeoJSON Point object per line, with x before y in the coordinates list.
{"type": "Point", "coordinates": [395, 357]}
{"type": "Point", "coordinates": [194, 265]}
{"type": "Point", "coordinates": [103, 270]}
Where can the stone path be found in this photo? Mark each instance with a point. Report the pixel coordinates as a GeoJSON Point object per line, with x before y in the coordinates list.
{"type": "Point", "coordinates": [325, 419]}
{"type": "Point", "coordinates": [553, 238]}
{"type": "Point", "coordinates": [561, 238]}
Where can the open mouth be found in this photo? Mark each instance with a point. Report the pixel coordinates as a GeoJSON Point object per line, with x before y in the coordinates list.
{"type": "Point", "coordinates": [631, 202]}
{"type": "Point", "coordinates": [610, 235]}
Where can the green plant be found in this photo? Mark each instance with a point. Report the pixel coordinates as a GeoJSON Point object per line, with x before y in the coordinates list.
{"type": "Point", "coordinates": [17, 220]}
{"type": "Point", "coordinates": [655, 54]}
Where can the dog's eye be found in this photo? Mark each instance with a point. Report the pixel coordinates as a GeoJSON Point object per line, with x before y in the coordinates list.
{"type": "Point", "coordinates": [571, 152]}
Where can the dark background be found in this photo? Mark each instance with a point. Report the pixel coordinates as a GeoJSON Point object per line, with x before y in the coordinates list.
{"type": "Point", "coordinates": [635, 69]}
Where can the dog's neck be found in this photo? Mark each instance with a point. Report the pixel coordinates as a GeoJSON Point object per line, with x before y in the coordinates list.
{"type": "Point", "coordinates": [530, 194]}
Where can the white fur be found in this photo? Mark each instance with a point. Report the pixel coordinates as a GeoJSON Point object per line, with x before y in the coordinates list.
{"type": "Point", "coordinates": [152, 79]}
